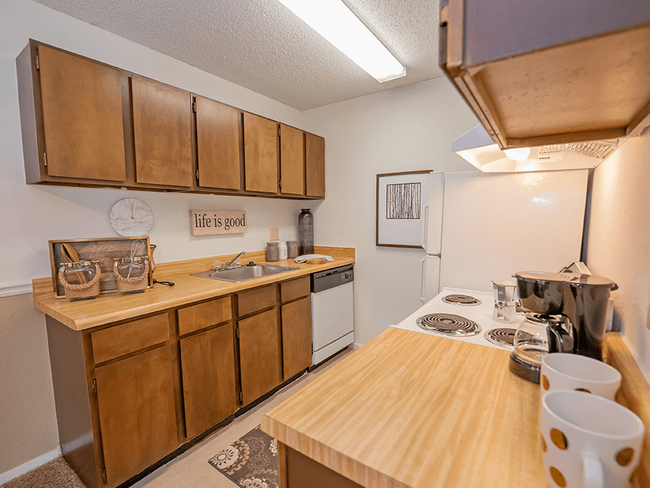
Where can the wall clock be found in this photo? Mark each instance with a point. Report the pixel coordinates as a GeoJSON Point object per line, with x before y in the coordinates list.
{"type": "Point", "coordinates": [131, 217]}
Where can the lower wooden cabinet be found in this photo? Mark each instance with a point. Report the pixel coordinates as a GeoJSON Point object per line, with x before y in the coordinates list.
{"type": "Point", "coordinates": [208, 371]}
{"type": "Point", "coordinates": [296, 337]}
{"type": "Point", "coordinates": [259, 355]}
{"type": "Point", "coordinates": [129, 394]}
{"type": "Point", "coordinates": [137, 413]}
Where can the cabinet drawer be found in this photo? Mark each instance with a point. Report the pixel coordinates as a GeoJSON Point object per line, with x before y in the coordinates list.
{"type": "Point", "coordinates": [290, 290]}
{"type": "Point", "coordinates": [257, 299]}
{"type": "Point", "coordinates": [130, 337]}
{"type": "Point", "coordinates": [197, 317]}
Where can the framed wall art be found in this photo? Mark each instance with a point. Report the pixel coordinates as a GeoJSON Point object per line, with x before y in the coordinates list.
{"type": "Point", "coordinates": [401, 198]}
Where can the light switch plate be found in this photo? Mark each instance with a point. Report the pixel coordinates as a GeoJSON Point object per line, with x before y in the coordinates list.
{"type": "Point", "coordinates": [275, 233]}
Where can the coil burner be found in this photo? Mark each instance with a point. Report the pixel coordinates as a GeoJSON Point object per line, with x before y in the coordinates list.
{"type": "Point", "coordinates": [448, 324]}
{"type": "Point", "coordinates": [504, 337]}
{"type": "Point", "coordinates": [461, 300]}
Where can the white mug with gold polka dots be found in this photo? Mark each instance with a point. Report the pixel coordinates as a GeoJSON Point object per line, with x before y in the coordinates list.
{"type": "Point", "coordinates": [589, 441]}
{"type": "Point", "coordinates": [563, 371]}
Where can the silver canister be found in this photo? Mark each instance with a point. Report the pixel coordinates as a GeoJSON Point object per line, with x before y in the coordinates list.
{"type": "Point", "coordinates": [505, 301]}
{"type": "Point", "coordinates": [292, 249]}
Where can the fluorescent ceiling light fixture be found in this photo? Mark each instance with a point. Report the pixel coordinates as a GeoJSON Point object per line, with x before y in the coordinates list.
{"type": "Point", "coordinates": [333, 20]}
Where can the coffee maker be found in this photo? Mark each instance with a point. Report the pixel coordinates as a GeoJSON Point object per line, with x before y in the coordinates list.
{"type": "Point", "coordinates": [570, 310]}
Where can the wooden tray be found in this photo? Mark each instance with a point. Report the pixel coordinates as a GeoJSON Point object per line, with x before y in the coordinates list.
{"type": "Point", "coordinates": [102, 250]}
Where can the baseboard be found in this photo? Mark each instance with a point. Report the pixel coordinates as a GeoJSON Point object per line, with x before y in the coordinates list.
{"type": "Point", "coordinates": [29, 465]}
{"type": "Point", "coordinates": [11, 290]}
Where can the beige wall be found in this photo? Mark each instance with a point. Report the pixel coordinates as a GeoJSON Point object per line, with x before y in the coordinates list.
{"type": "Point", "coordinates": [619, 240]}
{"type": "Point", "coordinates": [27, 419]}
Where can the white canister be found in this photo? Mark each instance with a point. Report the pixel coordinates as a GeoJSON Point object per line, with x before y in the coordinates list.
{"type": "Point", "coordinates": [282, 247]}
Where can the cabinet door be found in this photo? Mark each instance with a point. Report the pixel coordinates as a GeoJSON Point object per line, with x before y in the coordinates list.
{"type": "Point", "coordinates": [315, 165]}
{"type": "Point", "coordinates": [292, 160]}
{"type": "Point", "coordinates": [296, 336]}
{"type": "Point", "coordinates": [137, 414]}
{"type": "Point", "coordinates": [259, 355]}
{"type": "Point", "coordinates": [217, 133]}
{"type": "Point", "coordinates": [208, 366]}
{"type": "Point", "coordinates": [82, 117]}
{"type": "Point", "coordinates": [261, 153]}
{"type": "Point", "coordinates": [162, 132]}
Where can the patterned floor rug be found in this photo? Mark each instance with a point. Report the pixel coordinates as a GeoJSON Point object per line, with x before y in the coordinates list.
{"type": "Point", "coordinates": [251, 461]}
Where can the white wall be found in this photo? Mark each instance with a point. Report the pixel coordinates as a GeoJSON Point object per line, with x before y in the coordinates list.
{"type": "Point", "coordinates": [405, 129]}
{"type": "Point", "coordinates": [32, 215]}
{"type": "Point", "coordinates": [619, 240]}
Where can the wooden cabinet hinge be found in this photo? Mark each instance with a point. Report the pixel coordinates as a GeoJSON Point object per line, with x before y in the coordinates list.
{"type": "Point", "coordinates": [104, 475]}
{"type": "Point", "coordinates": [279, 132]}
{"type": "Point", "coordinates": [197, 175]}
{"type": "Point", "coordinates": [237, 332]}
{"type": "Point", "coordinates": [194, 106]}
{"type": "Point", "coordinates": [93, 385]}
{"type": "Point", "coordinates": [280, 184]}
{"type": "Point", "coordinates": [44, 159]}
{"type": "Point", "coordinates": [38, 62]}
{"type": "Point", "coordinates": [241, 398]}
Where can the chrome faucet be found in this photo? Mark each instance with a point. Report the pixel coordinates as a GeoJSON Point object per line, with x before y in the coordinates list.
{"type": "Point", "coordinates": [228, 264]}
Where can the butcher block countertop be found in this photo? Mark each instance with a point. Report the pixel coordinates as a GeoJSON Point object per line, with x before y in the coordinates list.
{"type": "Point", "coordinates": [415, 410]}
{"type": "Point", "coordinates": [114, 307]}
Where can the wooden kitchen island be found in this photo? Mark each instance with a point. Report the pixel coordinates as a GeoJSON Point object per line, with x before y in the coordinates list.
{"type": "Point", "coordinates": [412, 410]}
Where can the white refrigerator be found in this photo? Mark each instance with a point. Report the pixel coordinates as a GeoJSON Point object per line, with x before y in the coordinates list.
{"type": "Point", "coordinates": [480, 227]}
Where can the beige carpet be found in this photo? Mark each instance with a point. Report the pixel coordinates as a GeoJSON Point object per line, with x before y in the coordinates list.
{"type": "Point", "coordinates": [55, 474]}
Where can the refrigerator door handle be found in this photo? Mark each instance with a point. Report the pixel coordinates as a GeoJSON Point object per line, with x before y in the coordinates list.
{"type": "Point", "coordinates": [423, 273]}
{"type": "Point", "coordinates": [425, 226]}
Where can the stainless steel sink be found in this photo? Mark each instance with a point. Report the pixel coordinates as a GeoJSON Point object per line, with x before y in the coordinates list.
{"type": "Point", "coordinates": [244, 273]}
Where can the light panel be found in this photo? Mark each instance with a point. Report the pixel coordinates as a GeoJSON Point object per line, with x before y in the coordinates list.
{"type": "Point", "coordinates": [333, 20]}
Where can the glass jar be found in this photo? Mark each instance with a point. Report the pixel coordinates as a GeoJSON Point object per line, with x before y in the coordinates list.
{"type": "Point", "coordinates": [78, 273]}
{"type": "Point", "coordinates": [130, 267]}
{"type": "Point", "coordinates": [306, 231]}
{"type": "Point", "coordinates": [272, 252]}
{"type": "Point", "coordinates": [282, 248]}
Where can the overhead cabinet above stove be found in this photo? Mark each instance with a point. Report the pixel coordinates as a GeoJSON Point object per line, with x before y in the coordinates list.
{"type": "Point", "coordinates": [551, 71]}
{"type": "Point", "coordinates": [85, 123]}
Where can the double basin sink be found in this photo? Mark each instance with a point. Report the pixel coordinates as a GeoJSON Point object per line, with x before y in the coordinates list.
{"type": "Point", "coordinates": [244, 273]}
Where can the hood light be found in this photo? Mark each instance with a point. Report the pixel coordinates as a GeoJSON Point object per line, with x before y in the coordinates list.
{"type": "Point", "coordinates": [518, 154]}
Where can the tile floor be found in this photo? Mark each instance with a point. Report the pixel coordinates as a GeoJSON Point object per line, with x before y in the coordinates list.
{"type": "Point", "coordinates": [191, 469]}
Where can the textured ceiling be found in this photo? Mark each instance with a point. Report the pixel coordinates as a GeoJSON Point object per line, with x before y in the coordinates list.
{"type": "Point", "coordinates": [260, 45]}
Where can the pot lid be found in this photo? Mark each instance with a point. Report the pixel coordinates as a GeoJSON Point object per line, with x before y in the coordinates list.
{"type": "Point", "coordinates": [570, 278]}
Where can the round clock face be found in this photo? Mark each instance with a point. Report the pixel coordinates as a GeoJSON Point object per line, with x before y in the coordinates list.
{"type": "Point", "coordinates": [131, 217]}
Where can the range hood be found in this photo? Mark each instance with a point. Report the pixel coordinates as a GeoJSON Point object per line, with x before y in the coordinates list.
{"type": "Point", "coordinates": [477, 147]}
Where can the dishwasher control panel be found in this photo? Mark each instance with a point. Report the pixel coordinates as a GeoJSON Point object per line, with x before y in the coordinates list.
{"type": "Point", "coordinates": [324, 280]}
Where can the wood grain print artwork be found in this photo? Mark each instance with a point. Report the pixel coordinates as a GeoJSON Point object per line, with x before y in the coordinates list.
{"type": "Point", "coordinates": [403, 200]}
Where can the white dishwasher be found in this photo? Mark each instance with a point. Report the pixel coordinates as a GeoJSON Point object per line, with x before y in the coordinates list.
{"type": "Point", "coordinates": [332, 312]}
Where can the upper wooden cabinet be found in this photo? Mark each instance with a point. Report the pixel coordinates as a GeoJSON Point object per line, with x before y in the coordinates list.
{"type": "Point", "coordinates": [538, 73]}
{"type": "Point", "coordinates": [315, 165]}
{"type": "Point", "coordinates": [85, 123]}
{"type": "Point", "coordinates": [292, 160]}
{"type": "Point", "coordinates": [72, 119]}
{"type": "Point", "coordinates": [218, 144]}
{"type": "Point", "coordinates": [162, 131]}
{"type": "Point", "coordinates": [260, 153]}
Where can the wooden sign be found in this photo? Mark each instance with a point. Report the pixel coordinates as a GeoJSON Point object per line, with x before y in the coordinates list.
{"type": "Point", "coordinates": [214, 222]}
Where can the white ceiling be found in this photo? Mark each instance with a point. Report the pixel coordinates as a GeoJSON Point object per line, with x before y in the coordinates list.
{"type": "Point", "coordinates": [260, 45]}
